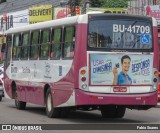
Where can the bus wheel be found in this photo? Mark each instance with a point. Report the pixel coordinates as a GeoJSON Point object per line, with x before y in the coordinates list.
{"type": "Point", "coordinates": [0, 98]}
{"type": "Point", "coordinates": [120, 111]}
{"type": "Point", "coordinates": [19, 104]}
{"type": "Point", "coordinates": [50, 110]}
{"type": "Point", "coordinates": [108, 111]}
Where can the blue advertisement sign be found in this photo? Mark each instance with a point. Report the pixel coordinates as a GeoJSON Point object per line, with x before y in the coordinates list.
{"type": "Point", "coordinates": [120, 69]}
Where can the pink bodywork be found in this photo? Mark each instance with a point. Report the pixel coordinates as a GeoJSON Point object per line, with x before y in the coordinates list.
{"type": "Point", "coordinates": [64, 88]}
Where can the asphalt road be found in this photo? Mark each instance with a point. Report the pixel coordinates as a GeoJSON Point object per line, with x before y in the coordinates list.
{"type": "Point", "coordinates": [36, 115]}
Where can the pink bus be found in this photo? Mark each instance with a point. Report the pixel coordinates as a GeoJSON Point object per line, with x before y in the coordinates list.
{"type": "Point", "coordinates": [106, 62]}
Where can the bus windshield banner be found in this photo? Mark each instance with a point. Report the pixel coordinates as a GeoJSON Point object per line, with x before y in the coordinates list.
{"type": "Point", "coordinates": [120, 69]}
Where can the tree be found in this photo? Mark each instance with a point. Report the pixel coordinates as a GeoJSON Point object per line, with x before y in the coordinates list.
{"type": "Point", "coordinates": [97, 3]}
{"type": "Point", "coordinates": [109, 3]}
{"type": "Point", "coordinates": [102, 3]}
{"type": "Point", "coordinates": [116, 3]}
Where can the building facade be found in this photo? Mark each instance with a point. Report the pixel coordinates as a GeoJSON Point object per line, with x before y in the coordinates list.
{"type": "Point", "coordinates": [17, 5]}
{"type": "Point", "coordinates": [15, 13]}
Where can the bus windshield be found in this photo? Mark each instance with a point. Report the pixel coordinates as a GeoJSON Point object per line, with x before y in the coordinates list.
{"type": "Point", "coordinates": [120, 34]}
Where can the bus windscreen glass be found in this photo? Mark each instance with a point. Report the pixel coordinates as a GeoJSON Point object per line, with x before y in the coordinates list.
{"type": "Point", "coordinates": [121, 34]}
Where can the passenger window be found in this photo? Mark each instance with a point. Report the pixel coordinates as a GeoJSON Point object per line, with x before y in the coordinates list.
{"type": "Point", "coordinates": [35, 45]}
{"type": "Point", "coordinates": [69, 42]}
{"type": "Point", "coordinates": [25, 46]}
{"type": "Point", "coordinates": [56, 44]}
{"type": "Point", "coordinates": [16, 46]}
{"type": "Point", "coordinates": [35, 37]}
{"type": "Point", "coordinates": [45, 44]}
{"type": "Point", "coordinates": [8, 50]}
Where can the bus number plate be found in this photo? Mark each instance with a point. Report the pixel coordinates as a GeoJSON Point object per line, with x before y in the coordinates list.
{"type": "Point", "coordinates": [119, 89]}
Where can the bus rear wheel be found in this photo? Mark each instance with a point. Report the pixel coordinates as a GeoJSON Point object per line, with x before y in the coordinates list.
{"type": "Point", "coordinates": [19, 104]}
{"type": "Point", "coordinates": [108, 111]}
{"type": "Point", "coordinates": [50, 110]}
{"type": "Point", "coordinates": [120, 111]}
{"type": "Point", "coordinates": [112, 111]}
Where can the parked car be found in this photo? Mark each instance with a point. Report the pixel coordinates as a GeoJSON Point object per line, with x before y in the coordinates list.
{"type": "Point", "coordinates": [1, 81]}
{"type": "Point", "coordinates": [1, 90]}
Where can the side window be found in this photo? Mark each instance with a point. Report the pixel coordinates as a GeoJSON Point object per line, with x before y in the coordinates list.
{"type": "Point", "coordinates": [8, 50]}
{"type": "Point", "coordinates": [56, 44]}
{"type": "Point", "coordinates": [34, 44]}
{"type": "Point", "coordinates": [16, 46]}
{"type": "Point", "coordinates": [25, 46]}
{"type": "Point", "coordinates": [69, 42]}
{"type": "Point", "coordinates": [45, 43]}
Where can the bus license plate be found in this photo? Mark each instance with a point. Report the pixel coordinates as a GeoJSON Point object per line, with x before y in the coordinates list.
{"type": "Point", "coordinates": [119, 89]}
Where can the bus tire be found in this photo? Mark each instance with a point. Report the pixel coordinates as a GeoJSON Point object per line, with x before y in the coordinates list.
{"type": "Point", "coordinates": [120, 112]}
{"type": "Point", "coordinates": [50, 110]}
{"type": "Point", "coordinates": [19, 104]}
{"type": "Point", "coordinates": [108, 111]}
{"type": "Point", "coordinates": [0, 98]}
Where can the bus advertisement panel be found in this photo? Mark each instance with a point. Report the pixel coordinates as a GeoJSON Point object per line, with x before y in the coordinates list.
{"type": "Point", "coordinates": [139, 69]}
